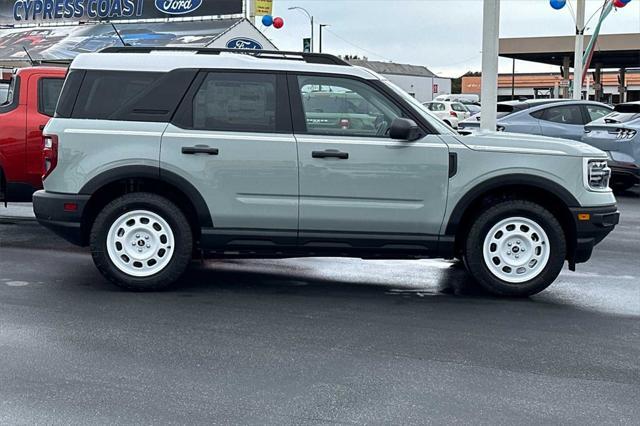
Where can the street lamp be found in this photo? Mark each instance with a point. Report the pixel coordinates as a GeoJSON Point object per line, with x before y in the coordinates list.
{"type": "Point", "coordinates": [321, 27]}
{"type": "Point", "coordinates": [310, 19]}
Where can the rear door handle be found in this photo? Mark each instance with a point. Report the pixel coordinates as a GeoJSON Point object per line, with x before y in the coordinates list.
{"type": "Point", "coordinates": [330, 153]}
{"type": "Point", "coordinates": [199, 149]}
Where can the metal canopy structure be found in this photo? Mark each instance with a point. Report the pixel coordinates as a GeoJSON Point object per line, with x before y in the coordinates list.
{"type": "Point", "coordinates": [612, 50]}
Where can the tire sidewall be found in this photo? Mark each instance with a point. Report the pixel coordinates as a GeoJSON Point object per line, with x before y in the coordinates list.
{"type": "Point", "coordinates": [475, 248]}
{"type": "Point", "coordinates": [160, 206]}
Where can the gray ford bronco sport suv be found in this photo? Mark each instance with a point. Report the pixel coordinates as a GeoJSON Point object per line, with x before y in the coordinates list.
{"type": "Point", "coordinates": [155, 156]}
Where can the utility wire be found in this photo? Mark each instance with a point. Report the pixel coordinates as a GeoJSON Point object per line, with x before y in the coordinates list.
{"type": "Point", "coordinates": [358, 47]}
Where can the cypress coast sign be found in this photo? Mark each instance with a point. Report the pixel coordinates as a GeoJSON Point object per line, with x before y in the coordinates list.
{"type": "Point", "coordinates": [13, 12]}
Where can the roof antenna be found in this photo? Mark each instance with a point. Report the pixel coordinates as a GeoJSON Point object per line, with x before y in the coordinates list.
{"type": "Point", "coordinates": [119, 36]}
{"type": "Point", "coordinates": [33, 63]}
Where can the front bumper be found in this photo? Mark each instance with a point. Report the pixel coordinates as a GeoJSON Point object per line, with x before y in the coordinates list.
{"type": "Point", "coordinates": [593, 224]}
{"type": "Point", "coordinates": [62, 214]}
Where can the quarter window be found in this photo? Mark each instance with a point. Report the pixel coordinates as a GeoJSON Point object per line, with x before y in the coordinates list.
{"type": "Point", "coordinates": [48, 93]}
{"type": "Point", "coordinates": [345, 107]}
{"type": "Point", "coordinates": [240, 102]}
{"type": "Point", "coordinates": [596, 112]}
{"type": "Point", "coordinates": [103, 93]}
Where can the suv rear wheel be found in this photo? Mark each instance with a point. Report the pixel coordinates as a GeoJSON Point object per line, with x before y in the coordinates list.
{"type": "Point", "coordinates": [515, 248]}
{"type": "Point", "coordinates": [142, 242]}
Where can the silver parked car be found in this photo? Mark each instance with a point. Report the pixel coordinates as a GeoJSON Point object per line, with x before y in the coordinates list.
{"type": "Point", "coordinates": [618, 134]}
{"type": "Point", "coordinates": [154, 156]}
{"type": "Point", "coordinates": [559, 118]}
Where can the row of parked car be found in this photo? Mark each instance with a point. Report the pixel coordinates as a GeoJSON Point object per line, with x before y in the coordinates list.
{"type": "Point", "coordinates": [154, 155]}
{"type": "Point", "coordinates": [615, 130]}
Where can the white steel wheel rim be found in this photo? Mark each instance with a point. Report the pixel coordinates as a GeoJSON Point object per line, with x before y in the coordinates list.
{"type": "Point", "coordinates": [516, 250]}
{"type": "Point", "coordinates": [140, 243]}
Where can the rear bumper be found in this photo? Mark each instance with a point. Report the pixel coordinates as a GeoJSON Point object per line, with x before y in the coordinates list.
{"type": "Point", "coordinates": [601, 221]}
{"type": "Point", "coordinates": [62, 214]}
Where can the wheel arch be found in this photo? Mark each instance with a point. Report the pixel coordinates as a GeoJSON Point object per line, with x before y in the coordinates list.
{"type": "Point", "coordinates": [547, 193]}
{"type": "Point", "coordinates": [122, 180]}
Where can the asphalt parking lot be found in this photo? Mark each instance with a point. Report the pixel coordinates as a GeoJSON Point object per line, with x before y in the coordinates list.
{"type": "Point", "coordinates": [315, 341]}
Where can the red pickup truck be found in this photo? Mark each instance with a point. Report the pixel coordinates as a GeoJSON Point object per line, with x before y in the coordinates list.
{"type": "Point", "coordinates": [30, 101]}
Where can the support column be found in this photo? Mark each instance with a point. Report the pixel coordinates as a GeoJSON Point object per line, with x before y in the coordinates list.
{"type": "Point", "coordinates": [579, 51]}
{"type": "Point", "coordinates": [566, 64]}
{"type": "Point", "coordinates": [599, 89]}
{"type": "Point", "coordinates": [622, 87]}
{"type": "Point", "coordinates": [490, 40]}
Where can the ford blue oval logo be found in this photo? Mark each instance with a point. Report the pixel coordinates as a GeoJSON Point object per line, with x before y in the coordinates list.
{"type": "Point", "coordinates": [178, 7]}
{"type": "Point", "coordinates": [243, 43]}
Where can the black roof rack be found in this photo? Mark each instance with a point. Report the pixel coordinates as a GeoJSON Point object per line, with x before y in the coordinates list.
{"type": "Point", "coordinates": [311, 58]}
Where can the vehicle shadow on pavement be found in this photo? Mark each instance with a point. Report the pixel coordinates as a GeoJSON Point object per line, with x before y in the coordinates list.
{"type": "Point", "coordinates": [293, 276]}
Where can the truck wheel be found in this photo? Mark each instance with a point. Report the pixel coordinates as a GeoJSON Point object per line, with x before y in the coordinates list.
{"type": "Point", "coordinates": [141, 242]}
{"type": "Point", "coordinates": [515, 248]}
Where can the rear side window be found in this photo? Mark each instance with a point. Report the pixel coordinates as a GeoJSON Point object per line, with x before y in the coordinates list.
{"type": "Point", "coordinates": [48, 93]}
{"type": "Point", "coordinates": [103, 93]}
{"type": "Point", "coordinates": [240, 102]}
{"type": "Point", "coordinates": [436, 106]}
{"type": "Point", "coordinates": [566, 114]}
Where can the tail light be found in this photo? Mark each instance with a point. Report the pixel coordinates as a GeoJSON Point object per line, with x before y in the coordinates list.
{"type": "Point", "coordinates": [453, 114]}
{"type": "Point", "coordinates": [345, 123]}
{"type": "Point", "coordinates": [49, 155]}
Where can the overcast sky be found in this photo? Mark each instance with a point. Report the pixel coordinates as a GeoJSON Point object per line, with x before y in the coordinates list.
{"type": "Point", "coordinates": [444, 35]}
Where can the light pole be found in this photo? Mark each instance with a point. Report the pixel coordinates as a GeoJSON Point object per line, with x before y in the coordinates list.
{"type": "Point", "coordinates": [310, 20]}
{"type": "Point", "coordinates": [577, 61]}
{"type": "Point", "coordinates": [320, 41]}
{"type": "Point", "coordinates": [489, 91]}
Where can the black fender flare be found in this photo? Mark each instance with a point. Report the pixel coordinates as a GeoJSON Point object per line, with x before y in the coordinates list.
{"type": "Point", "coordinates": [151, 172]}
{"type": "Point", "coordinates": [497, 182]}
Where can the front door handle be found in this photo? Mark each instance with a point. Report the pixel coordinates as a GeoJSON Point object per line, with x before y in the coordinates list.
{"type": "Point", "coordinates": [199, 149]}
{"type": "Point", "coordinates": [330, 153]}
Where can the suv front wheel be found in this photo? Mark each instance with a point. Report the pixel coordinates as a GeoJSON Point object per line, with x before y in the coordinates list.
{"type": "Point", "coordinates": [515, 248]}
{"type": "Point", "coordinates": [142, 242]}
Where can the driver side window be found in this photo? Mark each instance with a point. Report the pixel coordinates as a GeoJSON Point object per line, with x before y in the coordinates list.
{"type": "Point", "coordinates": [345, 107]}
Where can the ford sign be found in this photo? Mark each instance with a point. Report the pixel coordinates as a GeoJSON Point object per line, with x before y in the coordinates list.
{"type": "Point", "coordinates": [243, 43]}
{"type": "Point", "coordinates": [178, 7]}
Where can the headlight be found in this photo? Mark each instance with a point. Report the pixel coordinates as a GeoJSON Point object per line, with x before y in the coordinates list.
{"type": "Point", "coordinates": [596, 174]}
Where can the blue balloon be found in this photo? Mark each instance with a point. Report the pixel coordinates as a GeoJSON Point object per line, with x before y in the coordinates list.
{"type": "Point", "coordinates": [557, 4]}
{"type": "Point", "coordinates": [624, 1]}
{"type": "Point", "coordinates": [267, 20]}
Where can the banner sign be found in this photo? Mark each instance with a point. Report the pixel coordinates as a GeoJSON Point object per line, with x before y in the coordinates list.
{"type": "Point", "coordinates": [263, 7]}
{"type": "Point", "coordinates": [14, 12]}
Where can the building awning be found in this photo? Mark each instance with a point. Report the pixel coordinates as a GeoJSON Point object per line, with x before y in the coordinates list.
{"type": "Point", "coordinates": [612, 50]}
{"type": "Point", "coordinates": [63, 43]}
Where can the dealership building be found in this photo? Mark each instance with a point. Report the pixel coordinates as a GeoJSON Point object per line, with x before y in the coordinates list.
{"type": "Point", "coordinates": [614, 75]}
{"type": "Point", "coordinates": [416, 80]}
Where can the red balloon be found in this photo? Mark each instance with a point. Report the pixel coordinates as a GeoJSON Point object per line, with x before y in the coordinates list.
{"type": "Point", "coordinates": [619, 3]}
{"type": "Point", "coordinates": [278, 23]}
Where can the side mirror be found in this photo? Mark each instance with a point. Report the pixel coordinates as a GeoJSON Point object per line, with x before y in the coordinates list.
{"type": "Point", "coordinates": [404, 129]}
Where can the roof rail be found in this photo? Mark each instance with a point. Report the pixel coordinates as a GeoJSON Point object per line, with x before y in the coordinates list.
{"type": "Point", "coordinates": [311, 58]}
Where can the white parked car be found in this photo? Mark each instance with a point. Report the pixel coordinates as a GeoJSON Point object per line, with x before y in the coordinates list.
{"type": "Point", "coordinates": [449, 112]}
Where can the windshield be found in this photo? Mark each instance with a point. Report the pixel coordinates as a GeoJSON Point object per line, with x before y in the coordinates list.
{"type": "Point", "coordinates": [434, 121]}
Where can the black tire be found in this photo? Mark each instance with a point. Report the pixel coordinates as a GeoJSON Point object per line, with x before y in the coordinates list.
{"type": "Point", "coordinates": [474, 257]}
{"type": "Point", "coordinates": [170, 213]}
